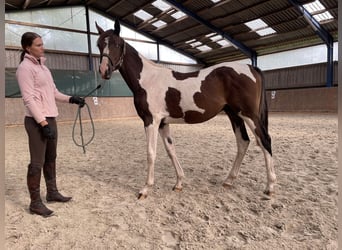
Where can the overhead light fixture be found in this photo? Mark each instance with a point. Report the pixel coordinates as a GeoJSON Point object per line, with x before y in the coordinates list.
{"type": "Point", "coordinates": [256, 24]}
{"type": "Point", "coordinates": [178, 14]}
{"type": "Point", "coordinates": [260, 27]}
{"type": "Point", "coordinates": [158, 23]}
{"type": "Point", "coordinates": [190, 41]}
{"type": "Point", "coordinates": [204, 48]}
{"type": "Point", "coordinates": [265, 32]}
{"type": "Point", "coordinates": [143, 15]}
{"type": "Point", "coordinates": [313, 7]}
{"type": "Point", "coordinates": [216, 38]}
{"type": "Point", "coordinates": [161, 5]}
{"type": "Point", "coordinates": [195, 44]}
{"type": "Point", "coordinates": [325, 16]}
{"type": "Point", "coordinates": [318, 11]}
{"type": "Point", "coordinates": [224, 43]}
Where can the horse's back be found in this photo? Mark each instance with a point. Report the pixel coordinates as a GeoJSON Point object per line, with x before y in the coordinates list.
{"type": "Point", "coordinates": [232, 84]}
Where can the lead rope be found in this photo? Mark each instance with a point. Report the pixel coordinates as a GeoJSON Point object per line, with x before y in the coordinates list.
{"type": "Point", "coordinates": [78, 117]}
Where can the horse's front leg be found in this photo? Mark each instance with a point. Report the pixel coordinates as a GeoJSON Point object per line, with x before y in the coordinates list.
{"type": "Point", "coordinates": [151, 132]}
{"type": "Point", "coordinates": [165, 134]}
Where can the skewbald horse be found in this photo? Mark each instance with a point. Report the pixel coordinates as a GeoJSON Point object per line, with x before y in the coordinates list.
{"type": "Point", "coordinates": [162, 96]}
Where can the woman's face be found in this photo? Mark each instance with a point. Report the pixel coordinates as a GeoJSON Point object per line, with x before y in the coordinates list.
{"type": "Point", "coordinates": [37, 48]}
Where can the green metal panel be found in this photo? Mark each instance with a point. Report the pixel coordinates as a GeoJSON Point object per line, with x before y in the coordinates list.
{"type": "Point", "coordinates": [73, 82]}
{"type": "Point", "coordinates": [11, 84]}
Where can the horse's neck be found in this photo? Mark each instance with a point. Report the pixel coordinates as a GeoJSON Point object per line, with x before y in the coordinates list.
{"type": "Point", "coordinates": [132, 66]}
{"type": "Point", "coordinates": [133, 54]}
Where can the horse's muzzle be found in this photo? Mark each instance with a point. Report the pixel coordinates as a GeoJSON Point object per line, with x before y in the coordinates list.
{"type": "Point", "coordinates": [108, 74]}
{"type": "Point", "coordinates": [105, 70]}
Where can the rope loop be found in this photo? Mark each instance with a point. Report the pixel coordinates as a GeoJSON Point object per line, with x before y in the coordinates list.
{"type": "Point", "coordinates": [79, 118]}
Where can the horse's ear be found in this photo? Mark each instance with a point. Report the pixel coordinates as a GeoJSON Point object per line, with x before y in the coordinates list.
{"type": "Point", "coordinates": [99, 29]}
{"type": "Point", "coordinates": [117, 26]}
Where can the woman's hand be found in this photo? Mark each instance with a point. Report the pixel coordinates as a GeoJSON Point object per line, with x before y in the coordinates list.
{"type": "Point", "coordinates": [77, 100]}
{"type": "Point", "coordinates": [48, 132]}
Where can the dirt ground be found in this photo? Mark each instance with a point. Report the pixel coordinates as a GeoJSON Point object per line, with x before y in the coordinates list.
{"type": "Point", "coordinates": [106, 214]}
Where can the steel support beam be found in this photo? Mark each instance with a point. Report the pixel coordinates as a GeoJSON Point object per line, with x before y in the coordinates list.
{"type": "Point", "coordinates": [246, 50]}
{"type": "Point", "coordinates": [324, 35]}
{"type": "Point", "coordinates": [330, 65]}
{"type": "Point", "coordinates": [90, 57]}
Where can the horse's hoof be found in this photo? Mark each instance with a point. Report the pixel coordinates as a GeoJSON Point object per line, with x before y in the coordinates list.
{"type": "Point", "coordinates": [227, 185]}
{"type": "Point", "coordinates": [269, 193]}
{"type": "Point", "coordinates": [142, 196]}
{"type": "Point", "coordinates": [177, 189]}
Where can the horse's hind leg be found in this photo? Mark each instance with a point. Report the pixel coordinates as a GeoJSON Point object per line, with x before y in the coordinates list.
{"type": "Point", "coordinates": [264, 141]}
{"type": "Point", "coordinates": [164, 131]}
{"type": "Point", "coordinates": [242, 141]}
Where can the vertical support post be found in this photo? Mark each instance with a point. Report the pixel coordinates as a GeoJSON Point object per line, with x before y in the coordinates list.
{"type": "Point", "coordinates": [254, 60]}
{"type": "Point", "coordinates": [90, 57]}
{"type": "Point", "coordinates": [158, 52]}
{"type": "Point", "coordinates": [330, 65]}
{"type": "Point", "coordinates": [323, 34]}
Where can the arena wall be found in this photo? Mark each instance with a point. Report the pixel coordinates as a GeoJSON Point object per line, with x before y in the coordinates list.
{"type": "Point", "coordinates": [294, 100]}
{"type": "Point", "coordinates": [105, 108]}
{"type": "Point", "coordinates": [303, 100]}
{"type": "Point", "coordinates": [295, 89]}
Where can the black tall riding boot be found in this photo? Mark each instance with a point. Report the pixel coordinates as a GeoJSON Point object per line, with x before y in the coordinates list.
{"type": "Point", "coordinates": [52, 194]}
{"type": "Point", "coordinates": [33, 182]}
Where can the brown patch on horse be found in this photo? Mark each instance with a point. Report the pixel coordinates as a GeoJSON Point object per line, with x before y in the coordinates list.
{"type": "Point", "coordinates": [182, 76]}
{"type": "Point", "coordinates": [172, 100]}
{"type": "Point", "coordinates": [140, 95]}
{"type": "Point", "coordinates": [223, 86]}
{"type": "Point", "coordinates": [236, 88]}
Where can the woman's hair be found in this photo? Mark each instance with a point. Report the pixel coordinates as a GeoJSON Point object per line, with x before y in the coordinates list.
{"type": "Point", "coordinates": [26, 41]}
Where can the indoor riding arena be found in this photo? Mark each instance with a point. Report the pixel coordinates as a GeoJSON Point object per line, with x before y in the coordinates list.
{"type": "Point", "coordinates": [104, 149]}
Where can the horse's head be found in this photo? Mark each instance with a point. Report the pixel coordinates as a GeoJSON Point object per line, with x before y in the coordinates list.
{"type": "Point", "coordinates": [112, 50]}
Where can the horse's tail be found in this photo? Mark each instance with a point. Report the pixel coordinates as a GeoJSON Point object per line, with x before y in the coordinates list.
{"type": "Point", "coordinates": [263, 114]}
{"type": "Point", "coordinates": [263, 108]}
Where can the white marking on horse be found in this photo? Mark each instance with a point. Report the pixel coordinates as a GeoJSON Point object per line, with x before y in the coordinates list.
{"type": "Point", "coordinates": [156, 91]}
{"type": "Point", "coordinates": [271, 176]}
{"type": "Point", "coordinates": [106, 48]}
{"type": "Point", "coordinates": [105, 61]}
{"type": "Point", "coordinates": [242, 146]}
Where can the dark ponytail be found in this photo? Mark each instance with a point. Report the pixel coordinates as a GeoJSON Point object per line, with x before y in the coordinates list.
{"type": "Point", "coordinates": [26, 41]}
{"type": "Point", "coordinates": [22, 55]}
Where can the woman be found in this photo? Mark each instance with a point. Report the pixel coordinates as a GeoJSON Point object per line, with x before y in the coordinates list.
{"type": "Point", "coordinates": [39, 95]}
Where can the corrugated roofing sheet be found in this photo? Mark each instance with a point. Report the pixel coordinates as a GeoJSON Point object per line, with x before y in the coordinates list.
{"type": "Point", "coordinates": [228, 16]}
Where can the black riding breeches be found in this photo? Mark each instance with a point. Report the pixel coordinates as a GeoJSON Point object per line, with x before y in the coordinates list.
{"type": "Point", "coordinates": [41, 149]}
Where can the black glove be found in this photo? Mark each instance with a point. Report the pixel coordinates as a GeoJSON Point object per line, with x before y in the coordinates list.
{"type": "Point", "coordinates": [48, 132]}
{"type": "Point", "coordinates": [77, 100]}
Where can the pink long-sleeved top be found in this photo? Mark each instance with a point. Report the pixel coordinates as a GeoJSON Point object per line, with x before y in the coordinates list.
{"type": "Point", "coordinates": [38, 90]}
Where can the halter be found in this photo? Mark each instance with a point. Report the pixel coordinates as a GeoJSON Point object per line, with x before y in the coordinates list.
{"type": "Point", "coordinates": [120, 61]}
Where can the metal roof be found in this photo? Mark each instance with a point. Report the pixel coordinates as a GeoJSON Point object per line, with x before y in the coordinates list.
{"type": "Point", "coordinates": [202, 33]}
